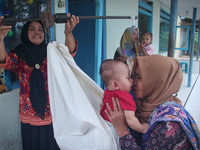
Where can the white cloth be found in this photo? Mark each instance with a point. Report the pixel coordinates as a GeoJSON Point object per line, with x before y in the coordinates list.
{"type": "Point", "coordinates": [114, 134]}
{"type": "Point", "coordinates": [75, 104]}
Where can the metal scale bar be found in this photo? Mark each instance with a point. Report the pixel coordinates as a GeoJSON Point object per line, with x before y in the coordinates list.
{"type": "Point", "coordinates": [59, 18]}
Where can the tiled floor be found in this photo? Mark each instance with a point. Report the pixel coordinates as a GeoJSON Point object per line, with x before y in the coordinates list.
{"type": "Point", "coordinates": [193, 103]}
{"type": "Point", "coordinates": [190, 96]}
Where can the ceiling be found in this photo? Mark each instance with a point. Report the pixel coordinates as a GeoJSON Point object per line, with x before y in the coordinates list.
{"type": "Point", "coordinates": [185, 7]}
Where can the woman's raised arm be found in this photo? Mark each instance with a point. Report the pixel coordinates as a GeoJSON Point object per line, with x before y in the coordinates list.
{"type": "Point", "coordinates": [3, 33]}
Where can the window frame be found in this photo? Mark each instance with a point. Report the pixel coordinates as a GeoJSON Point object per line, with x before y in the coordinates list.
{"type": "Point", "coordinates": [188, 37]}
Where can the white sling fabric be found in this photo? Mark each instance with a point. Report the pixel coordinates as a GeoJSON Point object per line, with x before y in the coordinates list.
{"type": "Point", "coordinates": [75, 104]}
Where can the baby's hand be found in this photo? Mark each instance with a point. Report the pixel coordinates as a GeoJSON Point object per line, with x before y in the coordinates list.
{"type": "Point", "coordinates": [146, 126]}
{"type": "Point", "coordinates": [143, 44]}
{"type": "Point", "coordinates": [139, 45]}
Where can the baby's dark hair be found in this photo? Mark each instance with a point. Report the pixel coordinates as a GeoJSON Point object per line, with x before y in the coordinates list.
{"type": "Point", "coordinates": [147, 32]}
{"type": "Point", "coordinates": [107, 70]}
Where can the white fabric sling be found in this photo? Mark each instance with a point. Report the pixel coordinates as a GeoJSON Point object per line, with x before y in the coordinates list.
{"type": "Point", "coordinates": [75, 104]}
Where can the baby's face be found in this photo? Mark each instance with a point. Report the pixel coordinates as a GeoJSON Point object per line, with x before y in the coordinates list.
{"type": "Point", "coordinates": [125, 81]}
{"type": "Point", "coordinates": [146, 39]}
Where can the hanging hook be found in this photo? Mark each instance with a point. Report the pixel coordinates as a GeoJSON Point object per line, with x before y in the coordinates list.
{"type": "Point", "coordinates": [133, 17]}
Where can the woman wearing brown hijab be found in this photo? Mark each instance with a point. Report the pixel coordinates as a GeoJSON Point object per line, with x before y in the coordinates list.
{"type": "Point", "coordinates": [156, 80]}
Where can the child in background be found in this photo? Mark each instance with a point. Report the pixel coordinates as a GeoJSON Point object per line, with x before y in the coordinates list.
{"type": "Point", "coordinates": [146, 39]}
{"type": "Point", "coordinates": [116, 76]}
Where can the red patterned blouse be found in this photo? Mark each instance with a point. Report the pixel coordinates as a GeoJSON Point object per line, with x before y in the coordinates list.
{"type": "Point", "coordinates": [26, 111]}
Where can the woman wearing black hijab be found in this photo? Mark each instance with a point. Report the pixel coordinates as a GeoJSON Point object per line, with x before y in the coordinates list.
{"type": "Point", "coordinates": [29, 60]}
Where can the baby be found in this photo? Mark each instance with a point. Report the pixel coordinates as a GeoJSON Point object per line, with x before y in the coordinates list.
{"type": "Point", "coordinates": [116, 76]}
{"type": "Point", "coordinates": [146, 39]}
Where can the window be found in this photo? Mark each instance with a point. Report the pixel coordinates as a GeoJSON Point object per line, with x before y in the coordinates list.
{"type": "Point", "coordinates": [164, 30]}
{"type": "Point", "coordinates": [164, 36]}
{"type": "Point", "coordinates": [182, 37]}
{"type": "Point", "coordinates": [145, 16]}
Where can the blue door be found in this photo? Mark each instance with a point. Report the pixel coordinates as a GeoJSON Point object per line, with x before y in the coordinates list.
{"type": "Point", "coordinates": [90, 36]}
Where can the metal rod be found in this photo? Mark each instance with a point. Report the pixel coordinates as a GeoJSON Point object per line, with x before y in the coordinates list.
{"type": "Point", "coordinates": [80, 17]}
{"type": "Point", "coordinates": [59, 18]}
{"type": "Point", "coordinates": [12, 21]}
{"type": "Point", "coordinates": [104, 17]}
{"type": "Point", "coordinates": [28, 19]}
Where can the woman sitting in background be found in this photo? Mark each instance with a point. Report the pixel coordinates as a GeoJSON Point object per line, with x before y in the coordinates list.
{"type": "Point", "coordinates": [128, 47]}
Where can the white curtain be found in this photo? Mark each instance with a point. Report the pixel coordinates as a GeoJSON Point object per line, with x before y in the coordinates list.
{"type": "Point", "coordinates": [75, 104]}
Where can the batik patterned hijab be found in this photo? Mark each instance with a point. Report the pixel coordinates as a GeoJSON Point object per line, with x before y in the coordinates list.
{"type": "Point", "coordinates": [128, 47]}
{"type": "Point", "coordinates": [161, 79]}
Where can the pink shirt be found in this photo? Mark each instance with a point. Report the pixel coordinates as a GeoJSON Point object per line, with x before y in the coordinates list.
{"type": "Point", "coordinates": [149, 49]}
